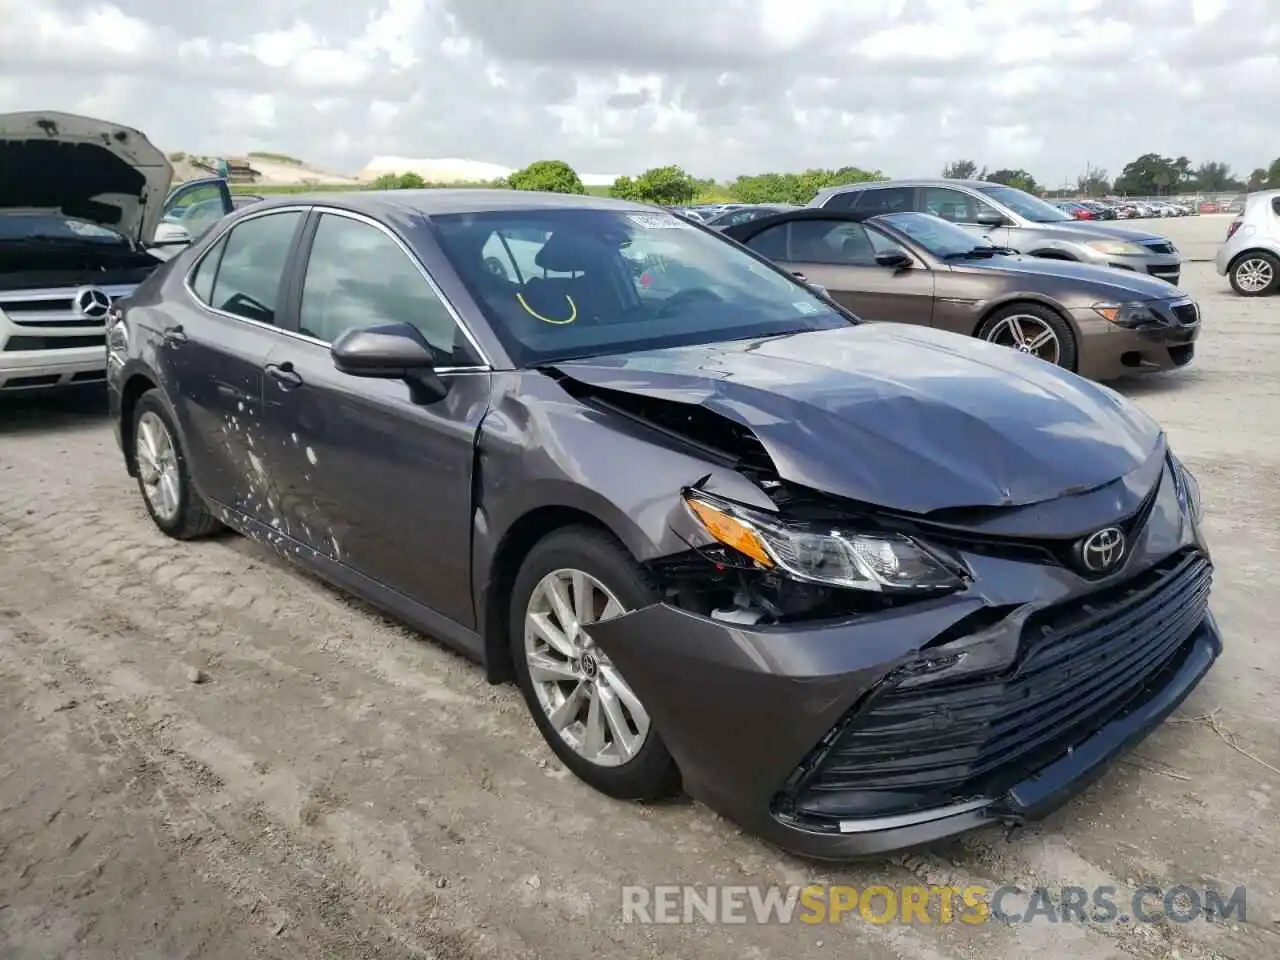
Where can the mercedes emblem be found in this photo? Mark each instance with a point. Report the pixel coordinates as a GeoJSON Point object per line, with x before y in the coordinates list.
{"type": "Point", "coordinates": [93, 303]}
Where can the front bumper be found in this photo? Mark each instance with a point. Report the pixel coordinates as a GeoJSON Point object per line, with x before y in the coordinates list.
{"type": "Point", "coordinates": [1163, 266]}
{"type": "Point", "coordinates": [44, 369]}
{"type": "Point", "coordinates": [803, 733]}
{"type": "Point", "coordinates": [1108, 351]}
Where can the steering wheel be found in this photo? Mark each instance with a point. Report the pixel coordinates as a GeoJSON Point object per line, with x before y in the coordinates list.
{"type": "Point", "coordinates": [684, 297]}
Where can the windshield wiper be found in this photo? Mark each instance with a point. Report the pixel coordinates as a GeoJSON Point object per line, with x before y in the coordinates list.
{"type": "Point", "coordinates": [976, 253]}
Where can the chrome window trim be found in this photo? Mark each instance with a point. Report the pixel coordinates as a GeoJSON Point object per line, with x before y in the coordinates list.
{"type": "Point", "coordinates": [485, 366]}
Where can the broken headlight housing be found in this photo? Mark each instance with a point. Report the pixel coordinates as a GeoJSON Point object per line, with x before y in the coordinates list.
{"type": "Point", "coordinates": [810, 552]}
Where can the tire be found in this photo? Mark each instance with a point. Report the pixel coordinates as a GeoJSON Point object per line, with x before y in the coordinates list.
{"type": "Point", "coordinates": [648, 771]}
{"type": "Point", "coordinates": [186, 516]}
{"type": "Point", "coordinates": [1247, 271]}
{"type": "Point", "coordinates": [997, 328]}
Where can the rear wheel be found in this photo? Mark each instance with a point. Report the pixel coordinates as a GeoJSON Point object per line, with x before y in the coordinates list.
{"type": "Point", "coordinates": [584, 708]}
{"type": "Point", "coordinates": [1034, 329]}
{"type": "Point", "coordinates": [164, 478]}
{"type": "Point", "coordinates": [1255, 274]}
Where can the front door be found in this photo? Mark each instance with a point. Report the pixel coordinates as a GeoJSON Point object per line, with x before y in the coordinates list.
{"type": "Point", "coordinates": [367, 476]}
{"type": "Point", "coordinates": [964, 210]}
{"type": "Point", "coordinates": [214, 352]}
{"type": "Point", "coordinates": [190, 211]}
{"type": "Point", "coordinates": [840, 255]}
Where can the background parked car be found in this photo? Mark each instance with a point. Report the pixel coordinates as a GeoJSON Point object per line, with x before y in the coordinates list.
{"type": "Point", "coordinates": [80, 203]}
{"type": "Point", "coordinates": [747, 213]}
{"type": "Point", "coordinates": [1013, 218]}
{"type": "Point", "coordinates": [1077, 211]}
{"type": "Point", "coordinates": [916, 268]}
{"type": "Point", "coordinates": [1250, 256]}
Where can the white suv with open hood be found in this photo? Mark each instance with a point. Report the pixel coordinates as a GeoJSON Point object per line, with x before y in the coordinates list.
{"type": "Point", "coordinates": [80, 203]}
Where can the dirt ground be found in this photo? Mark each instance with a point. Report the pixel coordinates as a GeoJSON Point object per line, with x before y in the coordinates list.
{"type": "Point", "coordinates": [337, 787]}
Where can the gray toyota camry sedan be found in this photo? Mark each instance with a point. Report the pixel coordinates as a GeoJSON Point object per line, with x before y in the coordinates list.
{"type": "Point", "coordinates": [858, 586]}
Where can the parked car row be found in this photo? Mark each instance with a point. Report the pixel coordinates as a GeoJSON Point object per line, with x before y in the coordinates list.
{"type": "Point", "coordinates": [1125, 209]}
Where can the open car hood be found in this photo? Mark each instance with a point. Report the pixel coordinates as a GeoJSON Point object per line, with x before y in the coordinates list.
{"type": "Point", "coordinates": [82, 168]}
{"type": "Point", "coordinates": [907, 418]}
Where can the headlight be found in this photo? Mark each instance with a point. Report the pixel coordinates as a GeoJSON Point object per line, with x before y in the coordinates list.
{"type": "Point", "coordinates": [1118, 248]}
{"type": "Point", "coordinates": [1131, 315]}
{"type": "Point", "coordinates": [816, 553]}
{"type": "Point", "coordinates": [1188, 488]}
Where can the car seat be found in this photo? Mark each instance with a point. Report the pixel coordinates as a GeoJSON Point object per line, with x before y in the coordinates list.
{"type": "Point", "coordinates": [857, 247]}
{"type": "Point", "coordinates": [590, 285]}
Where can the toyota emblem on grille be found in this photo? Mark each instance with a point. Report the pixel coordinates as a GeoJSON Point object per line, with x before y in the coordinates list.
{"type": "Point", "coordinates": [93, 303]}
{"type": "Point", "coordinates": [1103, 550]}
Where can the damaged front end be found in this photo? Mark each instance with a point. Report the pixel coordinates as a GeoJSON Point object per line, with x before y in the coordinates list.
{"type": "Point", "coordinates": [847, 679]}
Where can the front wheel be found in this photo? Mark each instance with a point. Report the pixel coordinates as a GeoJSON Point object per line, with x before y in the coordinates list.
{"type": "Point", "coordinates": [584, 708]}
{"type": "Point", "coordinates": [1255, 274]}
{"type": "Point", "coordinates": [1034, 329]}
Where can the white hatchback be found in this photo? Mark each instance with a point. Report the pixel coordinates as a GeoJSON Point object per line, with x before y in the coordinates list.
{"type": "Point", "coordinates": [1250, 256]}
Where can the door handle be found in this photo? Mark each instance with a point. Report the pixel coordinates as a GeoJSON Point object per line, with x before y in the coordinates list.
{"type": "Point", "coordinates": [800, 276]}
{"type": "Point", "coordinates": [284, 374]}
{"type": "Point", "coordinates": [174, 336]}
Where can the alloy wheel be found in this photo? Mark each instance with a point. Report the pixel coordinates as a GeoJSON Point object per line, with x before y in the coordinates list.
{"type": "Point", "coordinates": [1027, 334]}
{"type": "Point", "coordinates": [157, 461]}
{"type": "Point", "coordinates": [589, 705]}
{"type": "Point", "coordinates": [1255, 275]}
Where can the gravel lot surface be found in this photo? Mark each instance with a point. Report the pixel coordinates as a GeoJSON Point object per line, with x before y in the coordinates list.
{"type": "Point", "coordinates": [205, 753]}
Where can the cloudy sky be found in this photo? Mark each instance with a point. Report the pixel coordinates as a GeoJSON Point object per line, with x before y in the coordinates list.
{"type": "Point", "coordinates": [720, 86]}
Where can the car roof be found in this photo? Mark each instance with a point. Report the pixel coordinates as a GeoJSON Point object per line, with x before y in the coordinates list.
{"type": "Point", "coordinates": [445, 200]}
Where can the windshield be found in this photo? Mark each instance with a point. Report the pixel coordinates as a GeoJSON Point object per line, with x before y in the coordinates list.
{"type": "Point", "coordinates": [940, 238]}
{"type": "Point", "coordinates": [557, 284]}
{"type": "Point", "coordinates": [39, 226]}
{"type": "Point", "coordinates": [1024, 204]}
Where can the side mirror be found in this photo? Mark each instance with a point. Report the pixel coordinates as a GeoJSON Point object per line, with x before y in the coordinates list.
{"type": "Point", "coordinates": [989, 218]}
{"type": "Point", "coordinates": [390, 351]}
{"type": "Point", "coordinates": [171, 234]}
{"type": "Point", "coordinates": [895, 259]}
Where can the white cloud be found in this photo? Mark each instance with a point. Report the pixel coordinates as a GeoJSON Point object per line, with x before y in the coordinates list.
{"type": "Point", "coordinates": [722, 88]}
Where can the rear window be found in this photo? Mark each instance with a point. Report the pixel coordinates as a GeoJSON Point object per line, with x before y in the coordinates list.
{"type": "Point", "coordinates": [556, 284]}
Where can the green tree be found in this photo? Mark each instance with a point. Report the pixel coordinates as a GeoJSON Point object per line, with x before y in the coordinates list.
{"type": "Point", "coordinates": [1094, 183]}
{"type": "Point", "coordinates": [547, 176]}
{"type": "Point", "coordinates": [666, 186]}
{"type": "Point", "coordinates": [1014, 178]}
{"type": "Point", "coordinates": [797, 188]}
{"type": "Point", "coordinates": [1257, 180]}
{"type": "Point", "coordinates": [1273, 175]}
{"type": "Point", "coordinates": [399, 181]}
{"type": "Point", "coordinates": [1153, 174]}
{"type": "Point", "coordinates": [960, 170]}
{"type": "Point", "coordinates": [1214, 177]}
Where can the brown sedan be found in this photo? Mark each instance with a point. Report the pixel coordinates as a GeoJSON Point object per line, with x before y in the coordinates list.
{"type": "Point", "coordinates": [1100, 322]}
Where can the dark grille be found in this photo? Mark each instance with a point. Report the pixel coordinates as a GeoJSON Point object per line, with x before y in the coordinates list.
{"type": "Point", "coordinates": [11, 307]}
{"type": "Point", "coordinates": [53, 343]}
{"type": "Point", "coordinates": [1187, 314]}
{"type": "Point", "coordinates": [1164, 248]}
{"type": "Point", "coordinates": [1082, 665]}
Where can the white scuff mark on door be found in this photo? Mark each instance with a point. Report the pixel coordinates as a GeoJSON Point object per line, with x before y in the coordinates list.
{"type": "Point", "coordinates": [311, 455]}
{"type": "Point", "coordinates": [337, 551]}
{"type": "Point", "coordinates": [294, 437]}
{"type": "Point", "coordinates": [240, 406]}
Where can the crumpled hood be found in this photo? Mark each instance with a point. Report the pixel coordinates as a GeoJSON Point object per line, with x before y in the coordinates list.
{"type": "Point", "coordinates": [82, 168]}
{"type": "Point", "coordinates": [907, 418]}
{"type": "Point", "coordinates": [1101, 228]}
{"type": "Point", "coordinates": [1104, 283]}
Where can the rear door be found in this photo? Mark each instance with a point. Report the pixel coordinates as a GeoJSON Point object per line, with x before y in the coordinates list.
{"type": "Point", "coordinates": [213, 352]}
{"type": "Point", "coordinates": [840, 255]}
{"type": "Point", "coordinates": [366, 476]}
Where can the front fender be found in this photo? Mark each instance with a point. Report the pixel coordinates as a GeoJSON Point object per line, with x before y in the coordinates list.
{"type": "Point", "coordinates": [527, 459]}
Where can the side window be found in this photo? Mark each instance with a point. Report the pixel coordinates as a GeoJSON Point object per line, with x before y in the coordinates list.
{"type": "Point", "coordinates": [833, 242]}
{"type": "Point", "coordinates": [875, 200]}
{"type": "Point", "coordinates": [253, 261]}
{"type": "Point", "coordinates": [843, 201]}
{"type": "Point", "coordinates": [952, 205]}
{"type": "Point", "coordinates": [1275, 206]}
{"type": "Point", "coordinates": [206, 271]}
{"type": "Point", "coordinates": [771, 243]}
{"type": "Point", "coordinates": [357, 276]}
{"type": "Point", "coordinates": [881, 243]}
